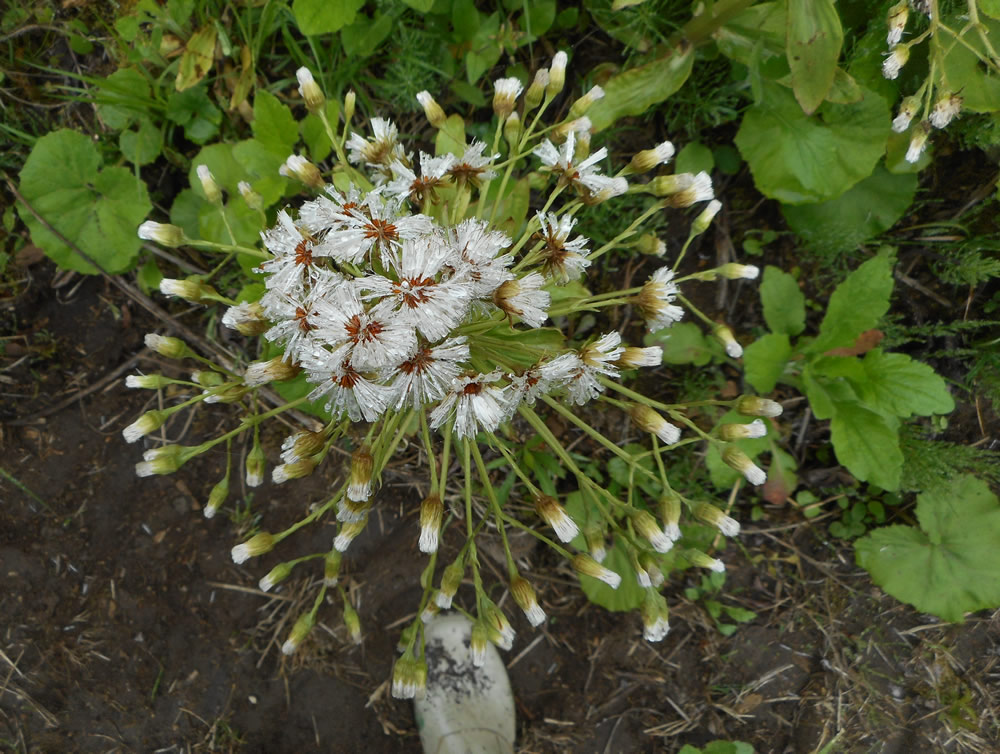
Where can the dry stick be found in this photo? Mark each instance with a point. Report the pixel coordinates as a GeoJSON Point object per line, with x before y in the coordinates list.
{"type": "Point", "coordinates": [150, 306]}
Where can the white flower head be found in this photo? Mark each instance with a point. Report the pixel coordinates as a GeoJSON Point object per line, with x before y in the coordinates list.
{"type": "Point", "coordinates": [475, 402]}
{"type": "Point", "coordinates": [563, 260]}
{"type": "Point", "coordinates": [524, 298]}
{"type": "Point", "coordinates": [656, 299]}
{"type": "Point", "coordinates": [427, 375]}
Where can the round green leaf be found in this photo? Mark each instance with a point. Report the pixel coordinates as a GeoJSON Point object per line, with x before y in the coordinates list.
{"type": "Point", "coordinates": [98, 210]}
{"type": "Point", "coordinates": [951, 564]}
{"type": "Point", "coordinates": [142, 145]}
{"type": "Point", "coordinates": [799, 158]}
{"type": "Point", "coordinates": [324, 16]}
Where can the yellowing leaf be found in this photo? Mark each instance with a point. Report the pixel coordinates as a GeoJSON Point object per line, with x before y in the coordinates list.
{"type": "Point", "coordinates": [814, 37]}
{"type": "Point", "coordinates": [196, 61]}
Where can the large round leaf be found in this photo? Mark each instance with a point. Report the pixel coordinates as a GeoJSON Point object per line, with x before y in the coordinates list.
{"type": "Point", "coordinates": [98, 210]}
{"type": "Point", "coordinates": [799, 158]}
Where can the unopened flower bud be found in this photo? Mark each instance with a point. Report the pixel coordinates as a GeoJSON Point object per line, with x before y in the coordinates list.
{"type": "Point", "coordinates": [229, 392]}
{"type": "Point", "coordinates": [648, 563]}
{"type": "Point", "coordinates": [296, 470]}
{"type": "Point", "coordinates": [451, 580]}
{"type": "Point", "coordinates": [696, 189]}
{"type": "Point", "coordinates": [478, 642]}
{"type": "Point", "coordinates": [897, 22]}
{"type": "Point", "coordinates": [302, 445]}
{"type": "Point", "coordinates": [147, 381]}
{"type": "Point", "coordinates": [583, 104]}
{"type": "Point", "coordinates": [255, 465]}
{"type": "Point", "coordinates": [945, 109]}
{"type": "Point", "coordinates": [505, 93]}
{"type": "Point", "coordinates": [533, 96]}
{"type": "Point", "coordinates": [212, 191]}
{"type": "Point", "coordinates": [737, 459]}
{"type": "Point", "coordinates": [498, 628]}
{"type": "Point", "coordinates": [171, 348]}
{"type": "Point", "coordinates": [596, 544]}
{"type": "Point", "coordinates": [258, 544]}
{"type": "Point", "coordinates": [702, 221]}
{"type": "Point", "coordinates": [352, 622]}
{"type": "Point", "coordinates": [433, 111]}
{"type": "Point", "coordinates": [275, 576]}
{"type": "Point", "coordinates": [348, 533]}
{"type": "Point", "coordinates": [349, 102]}
{"type": "Point", "coordinates": [648, 159]}
{"type": "Point", "coordinates": [216, 497]}
{"type": "Point", "coordinates": [670, 514]}
{"type": "Point", "coordinates": [431, 513]}
{"type": "Point", "coordinates": [251, 197]}
{"type": "Point", "coordinates": [300, 168]}
{"type": "Point", "coordinates": [655, 616]}
{"type": "Point", "coordinates": [649, 420]}
{"type": "Point", "coordinates": [148, 422]}
{"type": "Point", "coordinates": [163, 460]}
{"type": "Point", "coordinates": [331, 567]}
{"type": "Point", "coordinates": [647, 528]}
{"type": "Point", "coordinates": [512, 130]}
{"type": "Point", "coordinates": [734, 271]}
{"type": "Point", "coordinates": [587, 566]}
{"type": "Point", "coordinates": [246, 318]}
{"type": "Point", "coordinates": [907, 110]}
{"type": "Point", "coordinates": [299, 632]}
{"type": "Point", "coordinates": [632, 357]}
{"type": "Point", "coordinates": [359, 487]}
{"type": "Point", "coordinates": [207, 378]}
{"type": "Point", "coordinates": [752, 405]}
{"type": "Point", "coordinates": [552, 513]}
{"type": "Point", "coordinates": [351, 511]}
{"type": "Point", "coordinates": [892, 65]}
{"type": "Point", "coordinates": [753, 430]}
{"type": "Point", "coordinates": [192, 289]}
{"type": "Point", "coordinates": [709, 514]}
{"type": "Point", "coordinates": [524, 596]}
{"type": "Point", "coordinates": [309, 90]}
{"type": "Point", "coordinates": [557, 74]}
{"type": "Point", "coordinates": [700, 560]}
{"type": "Point", "coordinates": [651, 245]}
{"type": "Point", "coordinates": [162, 233]}
{"type": "Point", "coordinates": [918, 141]}
{"type": "Point", "coordinates": [725, 336]}
{"type": "Point", "coordinates": [431, 610]}
{"type": "Point", "coordinates": [407, 638]}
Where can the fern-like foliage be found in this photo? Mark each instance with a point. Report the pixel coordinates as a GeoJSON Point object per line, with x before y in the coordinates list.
{"type": "Point", "coordinates": [929, 463]}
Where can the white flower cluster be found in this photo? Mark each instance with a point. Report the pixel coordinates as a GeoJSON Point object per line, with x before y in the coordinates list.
{"type": "Point", "coordinates": [369, 298]}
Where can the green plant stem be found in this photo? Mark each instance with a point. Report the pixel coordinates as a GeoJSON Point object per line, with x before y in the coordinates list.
{"type": "Point", "coordinates": [212, 246]}
{"type": "Point", "coordinates": [700, 29]}
{"type": "Point", "coordinates": [429, 449]}
{"type": "Point", "coordinates": [484, 477]}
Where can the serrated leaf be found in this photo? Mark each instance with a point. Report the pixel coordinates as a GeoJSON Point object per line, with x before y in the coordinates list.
{"type": "Point", "coordinates": [797, 158]}
{"type": "Point", "coordinates": [784, 303]}
{"type": "Point", "coordinates": [196, 61]}
{"type": "Point", "coordinates": [194, 110]}
{"type": "Point", "coordinates": [814, 37]}
{"type": "Point", "coordinates": [866, 210]}
{"type": "Point", "coordinates": [856, 305]}
{"type": "Point", "coordinates": [951, 565]}
{"type": "Point", "coordinates": [764, 361]}
{"type": "Point", "coordinates": [628, 596]}
{"type": "Point", "coordinates": [98, 210]}
{"type": "Point", "coordinates": [867, 444]}
{"type": "Point", "coordinates": [324, 16]}
{"type": "Point", "coordinates": [902, 386]}
{"type": "Point", "coordinates": [636, 90]}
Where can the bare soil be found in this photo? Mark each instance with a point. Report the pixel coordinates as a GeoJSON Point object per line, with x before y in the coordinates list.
{"type": "Point", "coordinates": [126, 627]}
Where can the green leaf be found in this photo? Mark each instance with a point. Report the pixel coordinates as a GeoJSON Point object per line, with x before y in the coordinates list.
{"type": "Point", "coordinates": [962, 71]}
{"type": "Point", "coordinates": [451, 137]}
{"type": "Point", "coordinates": [539, 18]}
{"type": "Point", "coordinates": [194, 110]}
{"type": "Point", "coordinates": [867, 210]}
{"type": "Point", "coordinates": [990, 8]}
{"type": "Point", "coordinates": [867, 444]}
{"type": "Point", "coordinates": [362, 38]}
{"type": "Point", "coordinates": [694, 158]}
{"type": "Point", "coordinates": [635, 91]}
{"type": "Point", "coordinates": [98, 210]}
{"type": "Point", "coordinates": [951, 565]}
{"type": "Point", "coordinates": [684, 343]}
{"type": "Point", "coordinates": [122, 97]}
{"type": "Point", "coordinates": [273, 124]}
{"type": "Point", "coordinates": [324, 16]}
{"type": "Point", "coordinates": [798, 158]}
{"type": "Point", "coordinates": [764, 361]}
{"type": "Point", "coordinates": [628, 596]}
{"type": "Point", "coordinates": [142, 146]}
{"type": "Point", "coordinates": [784, 304]}
{"type": "Point", "coordinates": [420, 5]}
{"type": "Point", "coordinates": [899, 385]}
{"type": "Point", "coordinates": [196, 61]}
{"type": "Point", "coordinates": [856, 305]}
{"type": "Point", "coordinates": [814, 37]}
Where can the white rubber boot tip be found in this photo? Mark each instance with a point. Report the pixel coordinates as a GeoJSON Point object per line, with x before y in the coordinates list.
{"type": "Point", "coordinates": [467, 710]}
